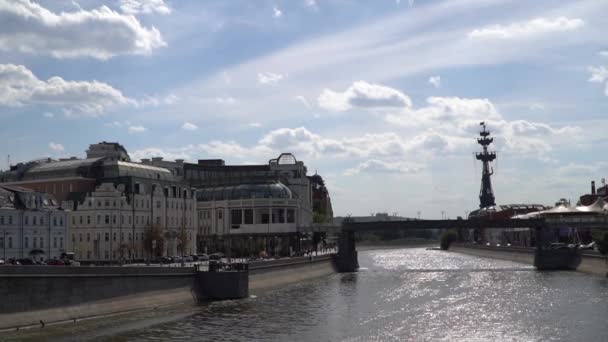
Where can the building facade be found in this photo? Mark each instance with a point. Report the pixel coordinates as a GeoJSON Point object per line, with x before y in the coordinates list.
{"type": "Point", "coordinates": [32, 225]}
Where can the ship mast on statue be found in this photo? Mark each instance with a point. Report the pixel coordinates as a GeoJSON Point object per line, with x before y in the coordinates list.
{"type": "Point", "coordinates": [486, 194]}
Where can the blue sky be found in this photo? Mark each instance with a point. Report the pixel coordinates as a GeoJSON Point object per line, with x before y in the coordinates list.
{"type": "Point", "coordinates": [383, 98]}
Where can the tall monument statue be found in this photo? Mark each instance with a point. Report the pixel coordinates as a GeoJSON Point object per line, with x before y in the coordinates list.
{"type": "Point", "coordinates": [486, 194]}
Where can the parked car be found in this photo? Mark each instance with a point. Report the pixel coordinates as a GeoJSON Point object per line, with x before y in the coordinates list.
{"type": "Point", "coordinates": [216, 256]}
{"type": "Point", "coordinates": [25, 261]}
{"type": "Point", "coordinates": [2, 261]}
{"type": "Point", "coordinates": [177, 259]}
{"type": "Point", "coordinates": [56, 263]}
{"type": "Point", "coordinates": [589, 246]}
{"type": "Point", "coordinates": [188, 258]}
{"type": "Point", "coordinates": [166, 260]}
{"type": "Point", "coordinates": [203, 257]}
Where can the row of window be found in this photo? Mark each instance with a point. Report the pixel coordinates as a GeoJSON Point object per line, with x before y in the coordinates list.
{"type": "Point", "coordinates": [137, 236]}
{"type": "Point", "coordinates": [36, 220]}
{"type": "Point", "coordinates": [245, 216]}
{"type": "Point", "coordinates": [140, 204]}
{"type": "Point", "coordinates": [107, 219]}
{"type": "Point", "coordinates": [37, 242]}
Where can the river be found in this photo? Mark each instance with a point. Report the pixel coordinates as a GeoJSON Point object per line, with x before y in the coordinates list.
{"type": "Point", "coordinates": [408, 294]}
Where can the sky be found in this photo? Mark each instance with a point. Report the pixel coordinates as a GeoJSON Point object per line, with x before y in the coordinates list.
{"type": "Point", "coordinates": [382, 98]}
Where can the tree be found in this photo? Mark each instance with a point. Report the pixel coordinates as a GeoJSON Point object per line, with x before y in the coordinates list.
{"type": "Point", "coordinates": [182, 241]}
{"type": "Point", "coordinates": [154, 233]}
{"type": "Point", "coordinates": [601, 240]}
{"type": "Point", "coordinates": [447, 238]}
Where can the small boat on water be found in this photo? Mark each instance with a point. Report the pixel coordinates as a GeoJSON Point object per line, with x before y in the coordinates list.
{"type": "Point", "coordinates": [558, 256]}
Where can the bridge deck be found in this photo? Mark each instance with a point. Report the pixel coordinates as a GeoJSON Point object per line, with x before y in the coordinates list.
{"type": "Point", "coordinates": [444, 224]}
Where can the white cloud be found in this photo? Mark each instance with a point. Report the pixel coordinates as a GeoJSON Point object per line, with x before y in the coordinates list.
{"type": "Point", "coordinates": [56, 147]}
{"type": "Point", "coordinates": [604, 53]}
{"type": "Point", "coordinates": [311, 4]}
{"type": "Point", "coordinates": [364, 95]}
{"type": "Point", "coordinates": [537, 106]}
{"type": "Point", "coordinates": [599, 75]}
{"type": "Point", "coordinates": [189, 126]}
{"type": "Point", "coordinates": [225, 100]}
{"type": "Point", "coordinates": [526, 29]}
{"type": "Point", "coordinates": [136, 129]}
{"type": "Point", "coordinates": [155, 101]}
{"type": "Point", "coordinates": [276, 12]}
{"type": "Point", "coordinates": [380, 166]}
{"type": "Point", "coordinates": [171, 154]}
{"type": "Point", "coordinates": [303, 100]}
{"type": "Point", "coordinates": [254, 124]}
{"type": "Point", "coordinates": [48, 115]}
{"type": "Point", "coordinates": [269, 77]}
{"type": "Point", "coordinates": [145, 7]}
{"type": "Point", "coordinates": [435, 81]}
{"type": "Point", "coordinates": [20, 87]}
{"type": "Point", "coordinates": [99, 33]}
{"type": "Point", "coordinates": [222, 149]}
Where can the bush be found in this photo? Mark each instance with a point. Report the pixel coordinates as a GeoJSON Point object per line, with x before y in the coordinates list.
{"type": "Point", "coordinates": [602, 243]}
{"type": "Point", "coordinates": [447, 238]}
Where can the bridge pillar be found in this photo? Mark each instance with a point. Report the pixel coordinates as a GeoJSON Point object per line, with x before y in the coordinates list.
{"type": "Point", "coordinates": [546, 257]}
{"type": "Point", "coordinates": [346, 260]}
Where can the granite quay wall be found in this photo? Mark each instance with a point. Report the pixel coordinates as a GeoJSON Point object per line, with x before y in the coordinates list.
{"type": "Point", "coordinates": [268, 275]}
{"type": "Point", "coordinates": [34, 293]}
{"type": "Point", "coordinates": [594, 264]}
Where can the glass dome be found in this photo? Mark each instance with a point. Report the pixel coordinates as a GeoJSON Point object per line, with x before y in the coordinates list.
{"type": "Point", "coordinates": [244, 191]}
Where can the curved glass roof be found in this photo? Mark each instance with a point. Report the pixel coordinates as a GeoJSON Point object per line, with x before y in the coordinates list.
{"type": "Point", "coordinates": [244, 191]}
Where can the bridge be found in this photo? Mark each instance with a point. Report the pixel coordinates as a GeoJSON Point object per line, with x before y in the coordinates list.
{"type": "Point", "coordinates": [346, 259]}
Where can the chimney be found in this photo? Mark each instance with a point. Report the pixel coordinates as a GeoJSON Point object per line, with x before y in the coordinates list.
{"type": "Point", "coordinates": [593, 187]}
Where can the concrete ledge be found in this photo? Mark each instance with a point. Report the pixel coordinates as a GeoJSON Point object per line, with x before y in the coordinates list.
{"type": "Point", "coordinates": [97, 308]}
{"type": "Point", "coordinates": [273, 277]}
{"type": "Point", "coordinates": [591, 263]}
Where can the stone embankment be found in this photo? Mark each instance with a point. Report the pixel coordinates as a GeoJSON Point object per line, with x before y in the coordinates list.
{"type": "Point", "coordinates": [591, 263]}
{"type": "Point", "coordinates": [54, 294]}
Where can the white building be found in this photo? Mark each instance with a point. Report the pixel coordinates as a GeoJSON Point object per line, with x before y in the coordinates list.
{"type": "Point", "coordinates": [112, 224]}
{"type": "Point", "coordinates": [32, 225]}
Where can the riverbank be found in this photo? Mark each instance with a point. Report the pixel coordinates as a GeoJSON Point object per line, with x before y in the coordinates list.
{"type": "Point", "coordinates": [590, 264]}
{"type": "Point", "coordinates": [74, 294]}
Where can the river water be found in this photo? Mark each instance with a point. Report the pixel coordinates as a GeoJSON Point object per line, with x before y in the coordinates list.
{"type": "Point", "coordinates": [406, 294]}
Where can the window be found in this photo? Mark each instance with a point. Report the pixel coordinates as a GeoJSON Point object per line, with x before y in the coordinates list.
{"type": "Point", "coordinates": [41, 242]}
{"type": "Point", "coordinates": [2, 220]}
{"type": "Point", "coordinates": [88, 237]}
{"type": "Point", "coordinates": [137, 219]}
{"type": "Point", "coordinates": [10, 242]}
{"type": "Point", "coordinates": [114, 236]}
{"type": "Point", "coordinates": [61, 221]}
{"type": "Point", "coordinates": [107, 219]}
{"type": "Point", "coordinates": [219, 214]}
{"type": "Point", "coordinates": [236, 216]}
{"type": "Point", "coordinates": [55, 242]}
{"type": "Point", "coordinates": [27, 220]}
{"type": "Point", "coordinates": [107, 236]}
{"type": "Point", "coordinates": [98, 219]}
{"type": "Point", "coordinates": [248, 216]}
{"type": "Point", "coordinates": [114, 204]}
{"type": "Point", "coordinates": [10, 219]}
{"type": "Point", "coordinates": [107, 203]}
{"type": "Point", "coordinates": [54, 221]}
{"type": "Point", "coordinates": [42, 220]}
{"type": "Point", "coordinates": [122, 219]}
{"type": "Point", "coordinates": [61, 242]}
{"type": "Point", "coordinates": [80, 219]}
{"type": "Point", "coordinates": [158, 204]}
{"type": "Point", "coordinates": [88, 219]}
{"type": "Point", "coordinates": [1, 242]}
{"type": "Point", "coordinates": [80, 237]}
{"type": "Point", "coordinates": [129, 219]}
{"type": "Point", "coordinates": [114, 219]}
{"type": "Point", "coordinates": [88, 254]}
{"type": "Point", "coordinates": [107, 254]}
{"type": "Point", "coordinates": [35, 219]}
{"type": "Point", "coordinates": [129, 236]}
{"type": "Point", "coordinates": [122, 236]}
{"type": "Point", "coordinates": [157, 219]}
{"type": "Point", "coordinates": [291, 216]}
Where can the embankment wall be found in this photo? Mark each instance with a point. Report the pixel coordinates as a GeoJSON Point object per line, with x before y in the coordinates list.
{"type": "Point", "coordinates": [52, 294]}
{"type": "Point", "coordinates": [590, 263]}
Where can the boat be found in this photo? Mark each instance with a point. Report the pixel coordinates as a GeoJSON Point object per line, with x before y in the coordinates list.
{"type": "Point", "coordinates": [557, 256]}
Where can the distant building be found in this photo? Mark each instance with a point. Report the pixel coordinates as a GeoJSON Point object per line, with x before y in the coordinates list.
{"type": "Point", "coordinates": [115, 205]}
{"type": "Point", "coordinates": [32, 225]}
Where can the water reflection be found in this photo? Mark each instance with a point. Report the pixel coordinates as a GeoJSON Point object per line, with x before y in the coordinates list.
{"type": "Point", "coordinates": [409, 294]}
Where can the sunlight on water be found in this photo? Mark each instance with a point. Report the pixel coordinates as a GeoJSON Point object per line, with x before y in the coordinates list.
{"type": "Point", "coordinates": [408, 295]}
